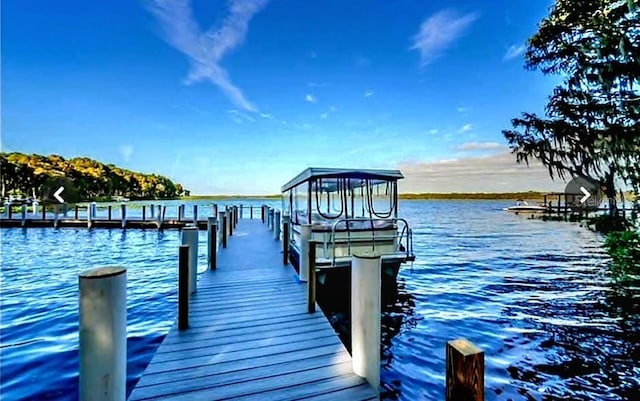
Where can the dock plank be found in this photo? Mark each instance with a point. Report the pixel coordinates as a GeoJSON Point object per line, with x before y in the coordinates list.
{"type": "Point", "coordinates": [250, 336]}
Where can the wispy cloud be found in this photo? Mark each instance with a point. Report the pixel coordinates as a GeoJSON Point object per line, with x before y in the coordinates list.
{"type": "Point", "coordinates": [126, 151]}
{"type": "Point", "coordinates": [433, 131]}
{"type": "Point", "coordinates": [438, 32]}
{"type": "Point", "coordinates": [466, 128]}
{"type": "Point", "coordinates": [324, 115]}
{"type": "Point", "coordinates": [472, 146]}
{"type": "Point", "coordinates": [240, 117]}
{"type": "Point", "coordinates": [368, 93]}
{"type": "Point", "coordinates": [206, 49]}
{"type": "Point", "coordinates": [462, 109]}
{"type": "Point", "coordinates": [514, 51]}
{"type": "Point", "coordinates": [310, 98]}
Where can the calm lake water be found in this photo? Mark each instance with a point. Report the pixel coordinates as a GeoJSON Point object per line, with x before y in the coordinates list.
{"type": "Point", "coordinates": [534, 295]}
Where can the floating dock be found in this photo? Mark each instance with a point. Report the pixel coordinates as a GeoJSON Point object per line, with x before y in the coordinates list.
{"type": "Point", "coordinates": [250, 335]}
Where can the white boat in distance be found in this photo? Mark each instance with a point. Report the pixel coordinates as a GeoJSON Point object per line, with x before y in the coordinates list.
{"type": "Point", "coordinates": [522, 206]}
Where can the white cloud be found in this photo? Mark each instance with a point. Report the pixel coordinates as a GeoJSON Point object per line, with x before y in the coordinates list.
{"type": "Point", "coordinates": [471, 146]}
{"type": "Point", "coordinates": [514, 51]}
{"type": "Point", "coordinates": [466, 128]}
{"type": "Point", "coordinates": [462, 109]}
{"type": "Point", "coordinates": [433, 131]}
{"type": "Point", "coordinates": [494, 173]}
{"type": "Point", "coordinates": [310, 98]}
{"type": "Point", "coordinates": [438, 32]}
{"type": "Point", "coordinates": [205, 50]}
{"type": "Point", "coordinates": [324, 115]}
{"type": "Point", "coordinates": [368, 93]}
{"type": "Point", "coordinates": [126, 151]}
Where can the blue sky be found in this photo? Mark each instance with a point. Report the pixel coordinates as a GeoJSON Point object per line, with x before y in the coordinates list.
{"type": "Point", "coordinates": [237, 97]}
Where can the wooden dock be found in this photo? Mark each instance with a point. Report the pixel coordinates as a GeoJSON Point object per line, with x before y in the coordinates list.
{"type": "Point", "coordinates": [250, 336]}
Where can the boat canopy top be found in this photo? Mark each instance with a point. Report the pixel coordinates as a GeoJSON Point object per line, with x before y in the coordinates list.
{"type": "Point", "coordinates": [312, 173]}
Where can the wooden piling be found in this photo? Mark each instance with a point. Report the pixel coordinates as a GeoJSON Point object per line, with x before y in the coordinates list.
{"type": "Point", "coordinates": [102, 334]}
{"type": "Point", "coordinates": [224, 230]}
{"type": "Point", "coordinates": [311, 284]}
{"type": "Point", "coordinates": [241, 212]}
{"type": "Point", "coordinates": [76, 212]}
{"type": "Point", "coordinates": [109, 212]}
{"type": "Point", "coordinates": [285, 240]}
{"type": "Point", "coordinates": [212, 228]}
{"type": "Point", "coordinates": [144, 212]}
{"type": "Point", "coordinates": [465, 371]}
{"type": "Point", "coordinates": [230, 221]}
{"type": "Point", "coordinates": [123, 214]}
{"type": "Point", "coordinates": [44, 211]}
{"type": "Point", "coordinates": [262, 213]}
{"type": "Point", "coordinates": [195, 214]}
{"type": "Point", "coordinates": [183, 287]}
{"type": "Point", "coordinates": [251, 212]}
{"type": "Point", "coordinates": [365, 315]}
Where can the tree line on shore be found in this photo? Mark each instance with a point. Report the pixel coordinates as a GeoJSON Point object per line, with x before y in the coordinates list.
{"type": "Point", "coordinates": [26, 174]}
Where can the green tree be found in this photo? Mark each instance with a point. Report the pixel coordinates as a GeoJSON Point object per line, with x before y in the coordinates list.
{"type": "Point", "coordinates": [591, 125]}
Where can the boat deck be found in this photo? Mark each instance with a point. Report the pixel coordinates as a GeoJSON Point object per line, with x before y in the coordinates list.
{"type": "Point", "coordinates": [250, 336]}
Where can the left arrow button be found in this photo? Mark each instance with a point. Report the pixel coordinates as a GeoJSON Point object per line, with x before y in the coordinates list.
{"type": "Point", "coordinates": [57, 194]}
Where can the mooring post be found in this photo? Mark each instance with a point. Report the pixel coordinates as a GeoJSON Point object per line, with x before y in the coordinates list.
{"type": "Point", "coordinates": [152, 211]}
{"type": "Point", "coordinates": [365, 316]}
{"type": "Point", "coordinates": [190, 238]}
{"type": "Point", "coordinates": [89, 216]}
{"type": "Point", "coordinates": [268, 212]}
{"type": "Point", "coordinates": [465, 371]}
{"type": "Point", "coordinates": [241, 212]}
{"type": "Point", "coordinates": [276, 225]}
{"type": "Point", "coordinates": [23, 214]}
{"type": "Point", "coordinates": [94, 210]}
{"type": "Point", "coordinates": [215, 209]}
{"type": "Point", "coordinates": [123, 213]}
{"type": "Point", "coordinates": [75, 216]}
{"type": "Point", "coordinates": [236, 214]}
{"type": "Point", "coordinates": [262, 213]}
{"type": "Point", "coordinates": [65, 209]}
{"type": "Point", "coordinates": [230, 221]}
{"type": "Point", "coordinates": [224, 229]}
{"type": "Point", "coordinates": [103, 334]}
{"type": "Point", "coordinates": [34, 208]}
{"type": "Point", "coordinates": [109, 212]}
{"type": "Point", "coordinates": [305, 237]}
{"type": "Point", "coordinates": [7, 209]}
{"type": "Point", "coordinates": [251, 212]}
{"type": "Point", "coordinates": [183, 287]}
{"type": "Point", "coordinates": [144, 212]}
{"type": "Point", "coordinates": [212, 241]}
{"type": "Point", "coordinates": [220, 227]}
{"type": "Point", "coordinates": [44, 210]}
{"type": "Point", "coordinates": [285, 239]}
{"type": "Point", "coordinates": [179, 208]}
{"type": "Point", "coordinates": [195, 215]}
{"type": "Point", "coordinates": [56, 210]}
{"type": "Point", "coordinates": [311, 284]}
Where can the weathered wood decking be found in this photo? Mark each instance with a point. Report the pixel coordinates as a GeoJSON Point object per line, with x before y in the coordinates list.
{"type": "Point", "coordinates": [250, 336]}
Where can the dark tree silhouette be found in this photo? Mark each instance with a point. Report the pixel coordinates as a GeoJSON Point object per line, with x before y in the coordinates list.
{"type": "Point", "coordinates": [591, 125]}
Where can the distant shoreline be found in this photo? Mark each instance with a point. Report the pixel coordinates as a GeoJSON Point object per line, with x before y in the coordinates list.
{"type": "Point", "coordinates": [529, 195]}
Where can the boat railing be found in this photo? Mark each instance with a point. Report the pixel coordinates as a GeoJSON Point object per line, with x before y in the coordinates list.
{"type": "Point", "coordinates": [405, 233]}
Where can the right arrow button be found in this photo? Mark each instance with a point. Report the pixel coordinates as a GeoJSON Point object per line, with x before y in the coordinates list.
{"type": "Point", "coordinates": [586, 193]}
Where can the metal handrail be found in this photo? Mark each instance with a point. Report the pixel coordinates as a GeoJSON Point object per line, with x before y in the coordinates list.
{"type": "Point", "coordinates": [394, 221]}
